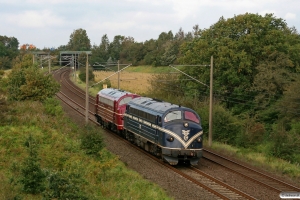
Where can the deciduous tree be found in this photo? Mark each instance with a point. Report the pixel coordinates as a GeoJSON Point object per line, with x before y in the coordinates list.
{"type": "Point", "coordinates": [79, 41]}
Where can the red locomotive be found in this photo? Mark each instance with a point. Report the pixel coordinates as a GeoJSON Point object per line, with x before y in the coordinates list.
{"type": "Point", "coordinates": [110, 107]}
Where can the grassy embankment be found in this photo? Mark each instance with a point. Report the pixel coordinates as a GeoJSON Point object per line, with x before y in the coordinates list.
{"type": "Point", "coordinates": [68, 171]}
{"type": "Point", "coordinates": [137, 83]}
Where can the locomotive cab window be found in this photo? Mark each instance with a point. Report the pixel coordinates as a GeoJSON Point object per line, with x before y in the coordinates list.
{"type": "Point", "coordinates": [173, 115]}
{"type": "Point", "coordinates": [191, 116]}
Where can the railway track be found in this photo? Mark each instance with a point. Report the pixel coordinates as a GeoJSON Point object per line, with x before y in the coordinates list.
{"type": "Point", "coordinates": [249, 173]}
{"type": "Point", "coordinates": [214, 186]}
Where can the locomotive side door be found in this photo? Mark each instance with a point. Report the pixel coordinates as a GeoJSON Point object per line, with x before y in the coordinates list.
{"type": "Point", "coordinates": [115, 111]}
{"type": "Point", "coordinates": [157, 132]}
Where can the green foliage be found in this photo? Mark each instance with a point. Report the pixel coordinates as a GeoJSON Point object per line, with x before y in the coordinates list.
{"type": "Point", "coordinates": [3, 103]}
{"type": "Point", "coordinates": [115, 47]}
{"type": "Point", "coordinates": [62, 185]}
{"type": "Point", "coordinates": [82, 74]}
{"type": "Point", "coordinates": [32, 175]}
{"type": "Point", "coordinates": [162, 84]}
{"type": "Point", "coordinates": [79, 41]}
{"type": "Point", "coordinates": [226, 126]}
{"type": "Point", "coordinates": [8, 51]}
{"type": "Point", "coordinates": [69, 172]}
{"type": "Point", "coordinates": [254, 57]}
{"type": "Point", "coordinates": [289, 105]}
{"type": "Point", "coordinates": [26, 81]}
{"type": "Point", "coordinates": [251, 134]}
{"type": "Point", "coordinates": [286, 145]}
{"type": "Point", "coordinates": [100, 53]}
{"type": "Point", "coordinates": [91, 141]}
{"type": "Point", "coordinates": [52, 107]}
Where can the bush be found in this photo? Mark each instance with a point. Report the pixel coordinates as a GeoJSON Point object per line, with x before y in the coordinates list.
{"type": "Point", "coordinates": [32, 175]}
{"type": "Point", "coordinates": [63, 186]}
{"type": "Point", "coordinates": [286, 144]}
{"type": "Point", "coordinates": [82, 75]}
{"type": "Point", "coordinates": [91, 141]}
{"type": "Point", "coordinates": [30, 83]}
{"type": "Point", "coordinates": [225, 126]}
{"type": "Point", "coordinates": [52, 107]}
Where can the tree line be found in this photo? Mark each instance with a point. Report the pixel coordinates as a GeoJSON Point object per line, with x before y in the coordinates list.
{"type": "Point", "coordinates": [156, 52]}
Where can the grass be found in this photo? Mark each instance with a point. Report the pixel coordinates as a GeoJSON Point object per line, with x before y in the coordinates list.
{"type": "Point", "coordinates": [151, 69]}
{"type": "Point", "coordinates": [134, 82]}
{"type": "Point", "coordinates": [101, 176]}
{"type": "Point", "coordinates": [6, 73]}
{"type": "Point", "coordinates": [271, 164]}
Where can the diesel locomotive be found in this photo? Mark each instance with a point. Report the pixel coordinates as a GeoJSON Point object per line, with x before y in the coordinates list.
{"type": "Point", "coordinates": [110, 107]}
{"type": "Point", "coordinates": [170, 131]}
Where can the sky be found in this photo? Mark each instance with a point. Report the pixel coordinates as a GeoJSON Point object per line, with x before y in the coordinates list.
{"type": "Point", "coordinates": [49, 23]}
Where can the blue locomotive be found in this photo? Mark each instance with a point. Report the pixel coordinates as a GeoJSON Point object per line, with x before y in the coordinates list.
{"type": "Point", "coordinates": [164, 129]}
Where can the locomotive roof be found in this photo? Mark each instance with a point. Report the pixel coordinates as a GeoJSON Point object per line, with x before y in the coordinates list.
{"type": "Point", "coordinates": [113, 94]}
{"type": "Point", "coordinates": [153, 104]}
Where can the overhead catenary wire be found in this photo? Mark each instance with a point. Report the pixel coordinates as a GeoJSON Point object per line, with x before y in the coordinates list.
{"type": "Point", "coordinates": [189, 75]}
{"type": "Point", "coordinates": [110, 75]}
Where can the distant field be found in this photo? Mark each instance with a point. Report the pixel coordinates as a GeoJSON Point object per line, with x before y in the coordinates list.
{"type": "Point", "coordinates": [134, 78]}
{"type": "Point", "coordinates": [135, 82]}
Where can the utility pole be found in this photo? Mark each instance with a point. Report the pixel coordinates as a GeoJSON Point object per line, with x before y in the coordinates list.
{"type": "Point", "coordinates": [118, 75]}
{"type": "Point", "coordinates": [75, 68]}
{"type": "Point", "coordinates": [72, 65]}
{"type": "Point", "coordinates": [87, 90]}
{"type": "Point", "coordinates": [49, 62]}
{"type": "Point", "coordinates": [41, 58]}
{"type": "Point", "coordinates": [210, 103]}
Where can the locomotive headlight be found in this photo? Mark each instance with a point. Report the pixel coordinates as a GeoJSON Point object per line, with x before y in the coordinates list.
{"type": "Point", "coordinates": [199, 139]}
{"type": "Point", "coordinates": [170, 139]}
{"type": "Point", "coordinates": [186, 124]}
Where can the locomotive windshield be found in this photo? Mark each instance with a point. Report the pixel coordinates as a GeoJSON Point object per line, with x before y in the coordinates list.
{"type": "Point", "coordinates": [173, 115]}
{"type": "Point", "coordinates": [191, 116]}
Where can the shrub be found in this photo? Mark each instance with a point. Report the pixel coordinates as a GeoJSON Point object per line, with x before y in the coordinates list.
{"type": "Point", "coordinates": [225, 126]}
{"type": "Point", "coordinates": [52, 107]}
{"type": "Point", "coordinates": [30, 83]}
{"type": "Point", "coordinates": [32, 175]}
{"type": "Point", "coordinates": [91, 141]}
{"type": "Point", "coordinates": [82, 75]}
{"type": "Point", "coordinates": [63, 186]}
{"type": "Point", "coordinates": [286, 144]}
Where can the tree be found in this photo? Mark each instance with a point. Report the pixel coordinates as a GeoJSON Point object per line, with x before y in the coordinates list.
{"type": "Point", "coordinates": [243, 47]}
{"type": "Point", "coordinates": [116, 47]}
{"type": "Point", "coordinates": [100, 53]}
{"type": "Point", "coordinates": [27, 81]}
{"type": "Point", "coordinates": [8, 51]}
{"type": "Point", "coordinates": [79, 41]}
{"type": "Point", "coordinates": [289, 105]}
{"type": "Point", "coordinates": [132, 52]}
{"type": "Point", "coordinates": [196, 31]}
{"type": "Point", "coordinates": [179, 35]}
{"type": "Point", "coordinates": [152, 56]}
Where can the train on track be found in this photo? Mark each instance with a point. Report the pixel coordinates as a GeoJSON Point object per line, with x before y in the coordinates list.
{"type": "Point", "coordinates": [170, 131]}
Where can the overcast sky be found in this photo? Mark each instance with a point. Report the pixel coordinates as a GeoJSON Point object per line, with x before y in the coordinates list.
{"type": "Point", "coordinates": [49, 23]}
